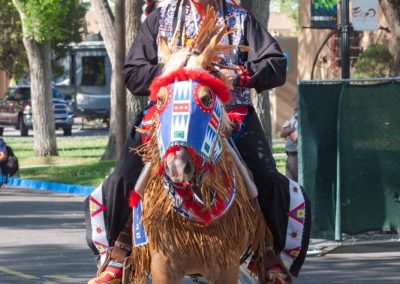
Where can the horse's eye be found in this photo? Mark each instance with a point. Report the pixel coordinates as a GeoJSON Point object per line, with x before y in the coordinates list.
{"type": "Point", "coordinates": [205, 97]}
{"type": "Point", "coordinates": [162, 97]}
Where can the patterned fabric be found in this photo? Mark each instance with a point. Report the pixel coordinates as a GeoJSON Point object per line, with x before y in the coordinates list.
{"type": "Point", "coordinates": [97, 209]}
{"type": "Point", "coordinates": [138, 232]}
{"type": "Point", "coordinates": [295, 228]}
{"type": "Point", "coordinates": [236, 16]}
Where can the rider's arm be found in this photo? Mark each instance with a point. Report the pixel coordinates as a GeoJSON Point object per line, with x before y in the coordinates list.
{"type": "Point", "coordinates": [141, 64]}
{"type": "Point", "coordinates": [265, 66]}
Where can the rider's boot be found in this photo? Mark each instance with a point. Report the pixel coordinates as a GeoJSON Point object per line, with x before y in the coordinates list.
{"type": "Point", "coordinates": [275, 270]}
{"type": "Point", "coordinates": [111, 272]}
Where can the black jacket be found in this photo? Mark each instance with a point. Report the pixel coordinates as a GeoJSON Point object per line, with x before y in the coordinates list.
{"type": "Point", "coordinates": [265, 61]}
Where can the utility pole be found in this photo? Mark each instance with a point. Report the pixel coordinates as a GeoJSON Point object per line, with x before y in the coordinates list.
{"type": "Point", "coordinates": [120, 90]}
{"type": "Point", "coordinates": [345, 29]}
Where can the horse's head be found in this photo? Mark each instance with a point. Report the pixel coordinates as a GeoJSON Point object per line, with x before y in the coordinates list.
{"type": "Point", "coordinates": [189, 105]}
{"type": "Point", "coordinates": [190, 116]}
{"type": "Point", "coordinates": [191, 120]}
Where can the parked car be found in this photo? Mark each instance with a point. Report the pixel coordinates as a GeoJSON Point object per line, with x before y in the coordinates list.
{"type": "Point", "coordinates": [16, 110]}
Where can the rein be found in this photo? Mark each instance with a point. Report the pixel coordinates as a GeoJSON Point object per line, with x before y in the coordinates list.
{"type": "Point", "coordinates": [188, 204]}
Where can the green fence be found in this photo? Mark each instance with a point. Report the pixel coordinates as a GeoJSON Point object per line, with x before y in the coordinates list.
{"type": "Point", "coordinates": [350, 155]}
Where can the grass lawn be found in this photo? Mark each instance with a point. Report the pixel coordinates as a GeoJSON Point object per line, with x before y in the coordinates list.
{"type": "Point", "coordinates": [79, 160]}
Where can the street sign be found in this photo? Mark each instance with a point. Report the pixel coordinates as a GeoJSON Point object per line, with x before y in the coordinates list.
{"type": "Point", "coordinates": [324, 14]}
{"type": "Point", "coordinates": [364, 15]}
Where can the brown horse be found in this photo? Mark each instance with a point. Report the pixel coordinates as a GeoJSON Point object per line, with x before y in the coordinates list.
{"type": "Point", "coordinates": [197, 212]}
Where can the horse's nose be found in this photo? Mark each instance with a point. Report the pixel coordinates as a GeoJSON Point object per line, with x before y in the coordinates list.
{"type": "Point", "coordinates": [178, 166]}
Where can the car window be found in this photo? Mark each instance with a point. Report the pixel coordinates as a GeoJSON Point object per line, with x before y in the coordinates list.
{"type": "Point", "coordinates": [93, 71]}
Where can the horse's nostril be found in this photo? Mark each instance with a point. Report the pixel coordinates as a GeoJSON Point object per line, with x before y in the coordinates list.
{"type": "Point", "coordinates": [188, 168]}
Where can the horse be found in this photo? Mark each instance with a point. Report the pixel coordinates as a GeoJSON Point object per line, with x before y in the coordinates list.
{"type": "Point", "coordinates": [193, 207]}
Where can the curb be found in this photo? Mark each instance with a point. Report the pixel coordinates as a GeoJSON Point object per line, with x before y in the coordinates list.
{"type": "Point", "coordinates": [52, 186]}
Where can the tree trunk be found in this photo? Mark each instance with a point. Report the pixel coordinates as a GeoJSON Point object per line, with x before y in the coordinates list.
{"type": "Point", "coordinates": [105, 19]}
{"type": "Point", "coordinates": [110, 152]}
{"type": "Point", "coordinates": [133, 11]}
{"type": "Point", "coordinates": [120, 115]}
{"type": "Point", "coordinates": [260, 9]}
{"type": "Point", "coordinates": [391, 10]}
{"type": "Point", "coordinates": [41, 95]}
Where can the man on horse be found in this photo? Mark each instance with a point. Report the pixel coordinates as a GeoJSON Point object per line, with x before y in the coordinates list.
{"type": "Point", "coordinates": [283, 202]}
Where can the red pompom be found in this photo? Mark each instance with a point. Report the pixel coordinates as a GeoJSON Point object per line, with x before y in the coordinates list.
{"type": "Point", "coordinates": [134, 198]}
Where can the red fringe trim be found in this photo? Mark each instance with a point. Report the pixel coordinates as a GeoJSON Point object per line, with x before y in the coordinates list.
{"type": "Point", "coordinates": [201, 76]}
{"type": "Point", "coordinates": [219, 207]}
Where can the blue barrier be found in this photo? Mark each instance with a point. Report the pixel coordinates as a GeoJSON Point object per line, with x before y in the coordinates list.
{"type": "Point", "coordinates": [53, 186]}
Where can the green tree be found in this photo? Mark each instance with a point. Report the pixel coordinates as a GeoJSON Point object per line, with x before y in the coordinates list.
{"type": "Point", "coordinates": [13, 58]}
{"type": "Point", "coordinates": [375, 61]}
{"type": "Point", "coordinates": [12, 53]}
{"type": "Point", "coordinates": [43, 22]}
{"type": "Point", "coordinates": [391, 10]}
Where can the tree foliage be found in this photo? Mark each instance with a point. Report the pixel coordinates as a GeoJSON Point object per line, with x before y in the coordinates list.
{"type": "Point", "coordinates": [391, 10]}
{"type": "Point", "coordinates": [45, 20]}
{"type": "Point", "coordinates": [375, 61]}
{"type": "Point", "coordinates": [12, 53]}
{"type": "Point", "coordinates": [69, 19]}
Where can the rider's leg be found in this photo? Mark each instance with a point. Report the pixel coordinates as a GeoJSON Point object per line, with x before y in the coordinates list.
{"type": "Point", "coordinates": [274, 193]}
{"type": "Point", "coordinates": [112, 203]}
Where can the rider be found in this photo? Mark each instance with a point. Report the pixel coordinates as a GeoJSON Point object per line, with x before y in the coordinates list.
{"type": "Point", "coordinates": [263, 67]}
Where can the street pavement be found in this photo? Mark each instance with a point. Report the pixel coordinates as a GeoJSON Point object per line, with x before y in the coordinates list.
{"type": "Point", "coordinates": [42, 240]}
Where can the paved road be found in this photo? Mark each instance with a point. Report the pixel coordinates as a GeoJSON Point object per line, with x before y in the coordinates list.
{"type": "Point", "coordinates": [42, 240]}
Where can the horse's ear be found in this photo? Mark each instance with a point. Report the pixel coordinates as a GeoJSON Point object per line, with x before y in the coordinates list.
{"type": "Point", "coordinates": [163, 48]}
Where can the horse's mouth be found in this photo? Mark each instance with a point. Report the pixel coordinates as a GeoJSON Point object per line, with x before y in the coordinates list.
{"type": "Point", "coordinates": [191, 191]}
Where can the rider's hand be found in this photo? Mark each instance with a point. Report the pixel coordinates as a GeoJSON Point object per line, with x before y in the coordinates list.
{"type": "Point", "coordinates": [229, 76]}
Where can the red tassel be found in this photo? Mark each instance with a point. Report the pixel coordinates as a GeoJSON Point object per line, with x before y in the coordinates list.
{"type": "Point", "coordinates": [134, 199]}
{"type": "Point", "coordinates": [219, 207]}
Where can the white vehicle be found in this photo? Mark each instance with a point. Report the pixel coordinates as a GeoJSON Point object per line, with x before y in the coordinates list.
{"type": "Point", "coordinates": [89, 80]}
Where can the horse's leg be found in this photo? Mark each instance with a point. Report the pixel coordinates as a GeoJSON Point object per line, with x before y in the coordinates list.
{"type": "Point", "coordinates": [228, 276]}
{"type": "Point", "coordinates": [163, 271]}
